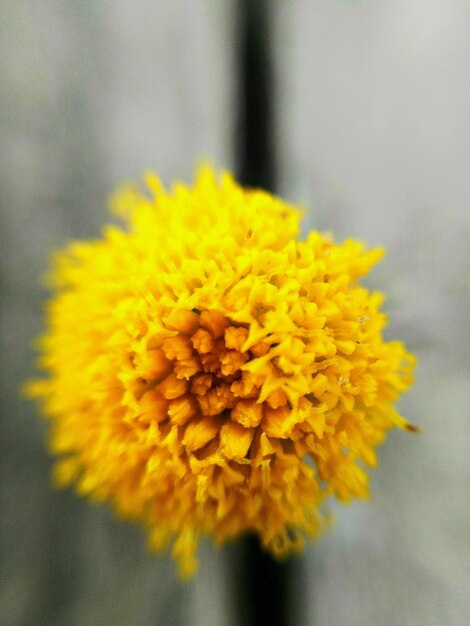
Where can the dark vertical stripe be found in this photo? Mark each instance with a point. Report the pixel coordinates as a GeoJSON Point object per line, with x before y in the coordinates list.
{"type": "Point", "coordinates": [262, 584]}
{"type": "Point", "coordinates": [263, 587]}
{"type": "Point", "coordinates": [255, 158]}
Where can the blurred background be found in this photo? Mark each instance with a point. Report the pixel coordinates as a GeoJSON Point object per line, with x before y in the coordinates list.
{"type": "Point", "coordinates": [368, 125]}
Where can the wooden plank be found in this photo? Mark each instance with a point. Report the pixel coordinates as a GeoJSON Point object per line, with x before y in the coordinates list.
{"type": "Point", "coordinates": [92, 93]}
{"type": "Point", "coordinates": [374, 137]}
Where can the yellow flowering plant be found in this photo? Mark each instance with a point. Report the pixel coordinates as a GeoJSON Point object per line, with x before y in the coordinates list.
{"type": "Point", "coordinates": [209, 373]}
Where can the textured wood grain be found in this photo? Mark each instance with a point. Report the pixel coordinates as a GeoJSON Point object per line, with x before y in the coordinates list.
{"type": "Point", "coordinates": [374, 136]}
{"type": "Point", "coordinates": [92, 92]}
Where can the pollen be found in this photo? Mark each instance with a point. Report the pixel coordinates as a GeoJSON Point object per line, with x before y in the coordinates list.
{"type": "Point", "coordinates": [209, 373]}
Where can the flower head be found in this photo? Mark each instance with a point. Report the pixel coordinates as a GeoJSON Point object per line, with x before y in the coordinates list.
{"type": "Point", "coordinates": [209, 374]}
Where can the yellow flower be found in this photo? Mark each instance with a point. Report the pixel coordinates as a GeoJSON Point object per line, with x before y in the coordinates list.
{"type": "Point", "coordinates": [210, 374]}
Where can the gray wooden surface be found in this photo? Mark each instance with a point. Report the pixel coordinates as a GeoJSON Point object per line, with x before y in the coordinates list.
{"type": "Point", "coordinates": [92, 93]}
{"type": "Point", "coordinates": [373, 135]}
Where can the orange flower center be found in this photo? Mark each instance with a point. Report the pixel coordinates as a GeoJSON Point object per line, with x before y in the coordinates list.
{"type": "Point", "coordinates": [198, 383]}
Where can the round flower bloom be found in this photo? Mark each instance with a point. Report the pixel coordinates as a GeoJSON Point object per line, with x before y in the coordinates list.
{"type": "Point", "coordinates": [210, 374]}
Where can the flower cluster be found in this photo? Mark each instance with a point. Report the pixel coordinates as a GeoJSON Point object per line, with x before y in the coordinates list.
{"type": "Point", "coordinates": [209, 374]}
